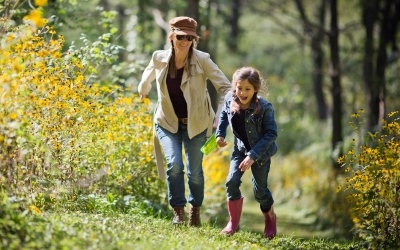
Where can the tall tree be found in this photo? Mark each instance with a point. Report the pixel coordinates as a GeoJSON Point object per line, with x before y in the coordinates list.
{"type": "Point", "coordinates": [369, 18]}
{"type": "Point", "coordinates": [234, 25]}
{"type": "Point", "coordinates": [192, 9]}
{"type": "Point", "coordinates": [315, 31]}
{"type": "Point", "coordinates": [384, 15]}
{"type": "Point", "coordinates": [336, 89]}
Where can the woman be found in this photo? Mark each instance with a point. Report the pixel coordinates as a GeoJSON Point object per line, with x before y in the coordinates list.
{"type": "Point", "coordinates": [254, 127]}
{"type": "Point", "coordinates": [183, 114]}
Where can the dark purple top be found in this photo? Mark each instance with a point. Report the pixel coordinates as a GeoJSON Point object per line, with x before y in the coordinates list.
{"type": "Point", "coordinates": [238, 124]}
{"type": "Point", "coordinates": [176, 94]}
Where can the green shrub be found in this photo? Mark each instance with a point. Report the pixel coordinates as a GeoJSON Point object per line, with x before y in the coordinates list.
{"type": "Point", "coordinates": [58, 133]}
{"type": "Point", "coordinates": [374, 184]}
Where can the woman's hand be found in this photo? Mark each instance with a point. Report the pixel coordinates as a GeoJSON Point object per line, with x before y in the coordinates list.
{"type": "Point", "coordinates": [221, 141]}
{"type": "Point", "coordinates": [246, 164]}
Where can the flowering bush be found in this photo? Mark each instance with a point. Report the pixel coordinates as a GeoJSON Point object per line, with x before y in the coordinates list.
{"type": "Point", "coordinates": [374, 185]}
{"type": "Point", "coordinates": [57, 132]}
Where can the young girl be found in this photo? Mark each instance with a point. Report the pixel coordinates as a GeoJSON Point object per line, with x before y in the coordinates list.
{"type": "Point", "coordinates": [253, 124]}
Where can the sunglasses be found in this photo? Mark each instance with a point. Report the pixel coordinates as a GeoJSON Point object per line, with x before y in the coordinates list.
{"type": "Point", "coordinates": [181, 37]}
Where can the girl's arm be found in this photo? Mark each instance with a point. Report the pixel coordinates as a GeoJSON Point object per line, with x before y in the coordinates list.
{"type": "Point", "coordinates": [269, 134]}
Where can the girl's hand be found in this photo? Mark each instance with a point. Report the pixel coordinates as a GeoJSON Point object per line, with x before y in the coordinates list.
{"type": "Point", "coordinates": [246, 164]}
{"type": "Point", "coordinates": [221, 142]}
{"type": "Point", "coordinates": [142, 97]}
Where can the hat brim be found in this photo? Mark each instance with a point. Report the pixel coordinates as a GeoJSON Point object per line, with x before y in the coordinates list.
{"type": "Point", "coordinates": [185, 32]}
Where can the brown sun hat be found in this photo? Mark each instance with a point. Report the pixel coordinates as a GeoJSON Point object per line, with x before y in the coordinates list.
{"type": "Point", "coordinates": [183, 25]}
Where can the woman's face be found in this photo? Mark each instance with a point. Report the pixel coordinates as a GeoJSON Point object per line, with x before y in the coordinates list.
{"type": "Point", "coordinates": [182, 43]}
{"type": "Point", "coordinates": [245, 92]}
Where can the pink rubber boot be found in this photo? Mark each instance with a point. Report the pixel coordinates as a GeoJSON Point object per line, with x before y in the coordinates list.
{"type": "Point", "coordinates": [270, 224]}
{"type": "Point", "coordinates": [235, 211]}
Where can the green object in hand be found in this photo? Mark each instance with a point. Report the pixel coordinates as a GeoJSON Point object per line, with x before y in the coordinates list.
{"type": "Point", "coordinates": [209, 146]}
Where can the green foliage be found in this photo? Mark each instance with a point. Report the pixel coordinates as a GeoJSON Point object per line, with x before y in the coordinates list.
{"type": "Point", "coordinates": [13, 223]}
{"type": "Point", "coordinates": [58, 133]}
{"type": "Point", "coordinates": [374, 184]}
{"type": "Point", "coordinates": [20, 225]}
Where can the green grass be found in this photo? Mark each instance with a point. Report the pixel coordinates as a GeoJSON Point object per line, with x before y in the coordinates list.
{"type": "Point", "coordinates": [122, 231]}
{"type": "Point", "coordinates": [110, 228]}
{"type": "Point", "coordinates": [106, 226]}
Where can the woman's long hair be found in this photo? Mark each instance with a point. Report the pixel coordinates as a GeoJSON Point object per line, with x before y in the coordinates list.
{"type": "Point", "coordinates": [254, 77]}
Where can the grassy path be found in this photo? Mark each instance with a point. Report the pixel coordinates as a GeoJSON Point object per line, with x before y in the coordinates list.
{"type": "Point", "coordinates": [76, 231]}
{"type": "Point", "coordinates": [291, 220]}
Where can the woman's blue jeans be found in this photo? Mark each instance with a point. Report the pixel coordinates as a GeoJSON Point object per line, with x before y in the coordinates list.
{"type": "Point", "coordinates": [259, 179]}
{"type": "Point", "coordinates": [172, 147]}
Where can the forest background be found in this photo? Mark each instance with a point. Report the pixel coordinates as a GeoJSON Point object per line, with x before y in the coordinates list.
{"type": "Point", "coordinates": [332, 71]}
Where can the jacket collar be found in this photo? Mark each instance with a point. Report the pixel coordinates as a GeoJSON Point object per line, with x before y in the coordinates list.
{"type": "Point", "coordinates": [165, 57]}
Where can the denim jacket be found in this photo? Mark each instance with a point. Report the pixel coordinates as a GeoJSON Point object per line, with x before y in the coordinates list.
{"type": "Point", "coordinates": [261, 129]}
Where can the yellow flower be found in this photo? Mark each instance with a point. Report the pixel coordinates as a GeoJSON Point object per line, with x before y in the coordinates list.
{"type": "Point", "coordinates": [34, 209]}
{"type": "Point", "coordinates": [35, 16]}
{"type": "Point", "coordinates": [341, 160]}
{"type": "Point", "coordinates": [40, 3]}
{"type": "Point", "coordinates": [12, 116]}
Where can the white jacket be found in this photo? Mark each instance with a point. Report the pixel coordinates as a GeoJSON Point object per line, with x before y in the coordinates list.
{"type": "Point", "coordinates": [200, 113]}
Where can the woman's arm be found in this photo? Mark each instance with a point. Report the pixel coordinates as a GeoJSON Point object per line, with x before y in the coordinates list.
{"type": "Point", "coordinates": [148, 76]}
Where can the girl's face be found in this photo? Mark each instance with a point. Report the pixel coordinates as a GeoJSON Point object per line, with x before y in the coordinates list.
{"type": "Point", "coordinates": [245, 92]}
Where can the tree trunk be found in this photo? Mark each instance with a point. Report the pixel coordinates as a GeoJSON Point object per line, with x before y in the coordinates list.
{"type": "Point", "coordinates": [234, 25]}
{"type": "Point", "coordinates": [316, 33]}
{"type": "Point", "coordinates": [369, 16]}
{"type": "Point", "coordinates": [336, 90]}
{"type": "Point", "coordinates": [318, 62]}
{"type": "Point", "coordinates": [378, 96]}
{"type": "Point", "coordinates": [192, 9]}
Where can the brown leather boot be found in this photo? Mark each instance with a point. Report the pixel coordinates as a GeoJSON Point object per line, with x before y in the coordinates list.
{"type": "Point", "coordinates": [194, 216]}
{"type": "Point", "coordinates": [179, 215]}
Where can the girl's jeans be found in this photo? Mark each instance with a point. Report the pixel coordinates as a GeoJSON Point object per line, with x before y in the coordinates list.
{"type": "Point", "coordinates": [259, 178]}
{"type": "Point", "coordinates": [172, 147]}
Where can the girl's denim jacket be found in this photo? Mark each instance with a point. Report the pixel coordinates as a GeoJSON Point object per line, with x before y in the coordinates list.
{"type": "Point", "coordinates": [261, 129]}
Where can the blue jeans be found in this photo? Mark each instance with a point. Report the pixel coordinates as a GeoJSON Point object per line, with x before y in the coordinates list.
{"type": "Point", "coordinates": [172, 147]}
{"type": "Point", "coordinates": [259, 179]}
